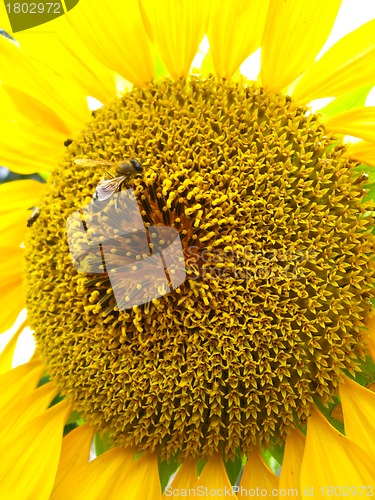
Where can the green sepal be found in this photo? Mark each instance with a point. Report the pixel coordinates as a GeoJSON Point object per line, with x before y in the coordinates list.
{"type": "Point", "coordinates": [161, 70]}
{"type": "Point", "coordinates": [271, 461]}
{"type": "Point", "coordinates": [75, 418]}
{"type": "Point", "coordinates": [45, 175]}
{"type": "Point", "coordinates": [69, 428]}
{"type": "Point", "coordinates": [207, 67]}
{"type": "Point", "coordinates": [234, 467]}
{"type": "Point", "coordinates": [366, 374]}
{"type": "Point", "coordinates": [102, 442]}
{"type": "Point", "coordinates": [44, 380]}
{"type": "Point", "coordinates": [200, 465]}
{"type": "Point", "coordinates": [346, 102]}
{"type": "Point", "coordinates": [57, 399]}
{"type": "Point", "coordinates": [326, 410]}
{"type": "Point", "coordinates": [370, 192]}
{"type": "Point", "coordinates": [166, 470]}
{"type": "Point", "coordinates": [274, 455]}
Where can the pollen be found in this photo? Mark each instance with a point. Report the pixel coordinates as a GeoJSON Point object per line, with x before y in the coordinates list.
{"type": "Point", "coordinates": [278, 254]}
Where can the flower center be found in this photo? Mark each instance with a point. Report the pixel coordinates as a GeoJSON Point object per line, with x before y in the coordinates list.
{"type": "Point", "coordinates": [278, 255]}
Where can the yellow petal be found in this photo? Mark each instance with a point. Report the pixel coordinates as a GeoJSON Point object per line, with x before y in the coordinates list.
{"type": "Point", "coordinates": [37, 112]}
{"type": "Point", "coordinates": [29, 458]}
{"type": "Point", "coordinates": [11, 265]}
{"type": "Point", "coordinates": [13, 236]}
{"type": "Point", "coordinates": [19, 381]}
{"type": "Point", "coordinates": [141, 481]}
{"type": "Point", "coordinates": [62, 49]}
{"type": "Point", "coordinates": [359, 122]}
{"type": "Point", "coordinates": [12, 299]}
{"type": "Point", "coordinates": [7, 354]}
{"type": "Point", "coordinates": [118, 38]}
{"type": "Point", "coordinates": [358, 404]}
{"type": "Point", "coordinates": [20, 195]}
{"type": "Point", "coordinates": [25, 409]}
{"type": "Point", "coordinates": [74, 455]}
{"type": "Point", "coordinates": [176, 28]}
{"type": "Point", "coordinates": [16, 221]}
{"type": "Point", "coordinates": [97, 479]}
{"type": "Point", "coordinates": [257, 475]}
{"type": "Point", "coordinates": [362, 151]}
{"type": "Point", "coordinates": [348, 65]}
{"type": "Point", "coordinates": [186, 477]}
{"type": "Point", "coordinates": [32, 155]}
{"type": "Point", "coordinates": [13, 220]}
{"type": "Point", "coordinates": [231, 43]}
{"type": "Point", "coordinates": [27, 76]}
{"type": "Point", "coordinates": [213, 477]}
{"type": "Point", "coordinates": [19, 117]}
{"type": "Point", "coordinates": [12, 293]}
{"type": "Point", "coordinates": [295, 31]}
{"type": "Point", "coordinates": [371, 338]}
{"type": "Point", "coordinates": [292, 461]}
{"type": "Point", "coordinates": [332, 460]}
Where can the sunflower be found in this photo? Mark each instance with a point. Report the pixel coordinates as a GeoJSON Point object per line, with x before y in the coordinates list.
{"type": "Point", "coordinates": [253, 375]}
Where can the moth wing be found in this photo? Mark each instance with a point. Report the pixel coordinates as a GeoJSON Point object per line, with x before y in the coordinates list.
{"type": "Point", "coordinates": [107, 187]}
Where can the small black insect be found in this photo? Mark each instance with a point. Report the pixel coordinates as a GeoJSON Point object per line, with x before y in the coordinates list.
{"type": "Point", "coordinates": [33, 217]}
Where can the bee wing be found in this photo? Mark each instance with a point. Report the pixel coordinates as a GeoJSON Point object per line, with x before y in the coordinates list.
{"type": "Point", "coordinates": [86, 162]}
{"type": "Point", "coordinates": [107, 187]}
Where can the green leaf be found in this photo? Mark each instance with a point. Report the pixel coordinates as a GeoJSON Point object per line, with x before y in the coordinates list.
{"type": "Point", "coordinates": [368, 186]}
{"type": "Point", "coordinates": [327, 410]}
{"type": "Point", "coordinates": [69, 428]}
{"type": "Point", "coordinates": [271, 461]}
{"type": "Point", "coordinates": [348, 101]}
{"type": "Point", "coordinates": [234, 467]}
{"type": "Point", "coordinates": [274, 453]}
{"type": "Point", "coordinates": [370, 172]}
{"type": "Point", "coordinates": [166, 470]}
{"type": "Point", "coordinates": [44, 380]}
{"type": "Point", "coordinates": [57, 399]}
{"type": "Point", "coordinates": [207, 67]}
{"type": "Point", "coordinates": [103, 443]}
{"type": "Point", "coordinates": [370, 194]}
{"type": "Point", "coordinates": [366, 374]}
{"type": "Point", "coordinates": [45, 175]}
{"type": "Point", "coordinates": [200, 466]}
{"type": "Point", "coordinates": [161, 70]}
{"type": "Point", "coordinates": [75, 418]}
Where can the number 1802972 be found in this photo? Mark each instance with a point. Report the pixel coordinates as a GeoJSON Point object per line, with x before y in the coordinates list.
{"type": "Point", "coordinates": [34, 8]}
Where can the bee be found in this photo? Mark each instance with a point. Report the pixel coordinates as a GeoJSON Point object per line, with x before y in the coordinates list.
{"type": "Point", "coordinates": [33, 217]}
{"type": "Point", "coordinates": [106, 188]}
